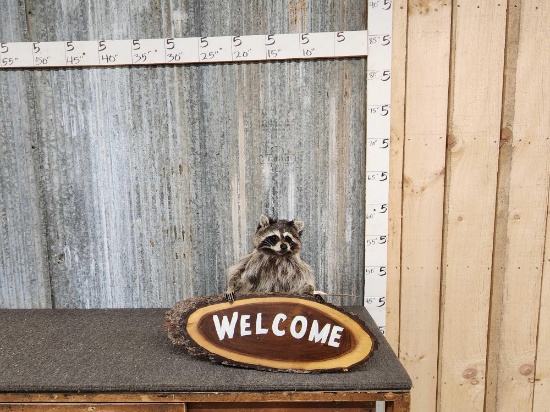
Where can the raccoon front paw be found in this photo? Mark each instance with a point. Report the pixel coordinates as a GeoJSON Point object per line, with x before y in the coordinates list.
{"type": "Point", "coordinates": [229, 296]}
{"type": "Point", "coordinates": [307, 290]}
{"type": "Point", "coordinates": [318, 298]}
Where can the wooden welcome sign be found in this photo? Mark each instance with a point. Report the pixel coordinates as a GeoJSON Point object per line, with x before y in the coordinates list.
{"type": "Point", "coordinates": [270, 332]}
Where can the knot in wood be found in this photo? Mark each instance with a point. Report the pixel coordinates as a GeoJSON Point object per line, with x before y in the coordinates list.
{"type": "Point", "coordinates": [526, 370]}
{"type": "Point", "coordinates": [469, 373]}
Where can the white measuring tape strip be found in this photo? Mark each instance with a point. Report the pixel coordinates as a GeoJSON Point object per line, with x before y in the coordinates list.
{"type": "Point", "coordinates": [184, 50]}
{"type": "Point", "coordinates": [378, 158]}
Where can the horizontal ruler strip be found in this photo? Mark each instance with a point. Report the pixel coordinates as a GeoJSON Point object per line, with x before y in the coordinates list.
{"type": "Point", "coordinates": [185, 50]}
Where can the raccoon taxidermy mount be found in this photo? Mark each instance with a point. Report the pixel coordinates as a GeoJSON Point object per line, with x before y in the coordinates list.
{"type": "Point", "coordinates": [275, 264]}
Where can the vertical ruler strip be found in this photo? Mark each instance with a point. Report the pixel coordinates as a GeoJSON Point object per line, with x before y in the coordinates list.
{"type": "Point", "coordinates": [377, 157]}
{"type": "Point", "coordinates": [377, 185]}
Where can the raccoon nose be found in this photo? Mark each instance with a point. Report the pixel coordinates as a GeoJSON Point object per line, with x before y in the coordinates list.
{"type": "Point", "coordinates": [284, 246]}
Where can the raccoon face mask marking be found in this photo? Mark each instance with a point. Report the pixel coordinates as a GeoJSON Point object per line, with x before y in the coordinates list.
{"type": "Point", "coordinates": [280, 237]}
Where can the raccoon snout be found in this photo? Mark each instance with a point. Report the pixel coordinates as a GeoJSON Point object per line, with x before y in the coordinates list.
{"type": "Point", "coordinates": [283, 246]}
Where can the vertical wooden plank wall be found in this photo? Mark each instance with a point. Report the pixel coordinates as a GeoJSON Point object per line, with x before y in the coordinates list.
{"type": "Point", "coordinates": [475, 101]}
{"type": "Point", "coordinates": [541, 396]}
{"type": "Point", "coordinates": [521, 214]}
{"type": "Point", "coordinates": [428, 49]}
{"type": "Point", "coordinates": [474, 325]}
{"type": "Point", "coordinates": [397, 141]}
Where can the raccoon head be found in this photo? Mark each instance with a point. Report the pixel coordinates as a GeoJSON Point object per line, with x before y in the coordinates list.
{"type": "Point", "coordinates": [278, 237]}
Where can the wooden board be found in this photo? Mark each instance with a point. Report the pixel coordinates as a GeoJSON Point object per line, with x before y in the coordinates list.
{"type": "Point", "coordinates": [95, 407]}
{"type": "Point", "coordinates": [207, 397]}
{"type": "Point", "coordinates": [364, 401]}
{"type": "Point", "coordinates": [397, 141]}
{"type": "Point", "coordinates": [428, 48]}
{"type": "Point", "coordinates": [521, 211]}
{"type": "Point", "coordinates": [284, 407]}
{"type": "Point", "coordinates": [541, 395]}
{"type": "Point", "coordinates": [270, 332]}
{"type": "Point", "coordinates": [471, 167]}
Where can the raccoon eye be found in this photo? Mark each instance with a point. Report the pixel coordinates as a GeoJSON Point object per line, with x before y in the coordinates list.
{"type": "Point", "coordinates": [273, 238]}
{"type": "Point", "coordinates": [288, 239]}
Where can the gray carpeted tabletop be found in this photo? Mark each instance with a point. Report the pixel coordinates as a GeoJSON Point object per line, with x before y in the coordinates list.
{"type": "Point", "coordinates": [126, 350]}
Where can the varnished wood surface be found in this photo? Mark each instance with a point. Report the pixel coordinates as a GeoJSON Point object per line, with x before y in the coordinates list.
{"type": "Point", "coordinates": [229, 402]}
{"type": "Point", "coordinates": [190, 324]}
{"type": "Point", "coordinates": [401, 403]}
{"type": "Point", "coordinates": [284, 407]}
{"type": "Point", "coordinates": [199, 407]}
{"type": "Point", "coordinates": [205, 397]}
{"type": "Point", "coordinates": [93, 407]}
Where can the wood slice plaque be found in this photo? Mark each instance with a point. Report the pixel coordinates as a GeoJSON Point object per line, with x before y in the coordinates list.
{"type": "Point", "coordinates": [273, 332]}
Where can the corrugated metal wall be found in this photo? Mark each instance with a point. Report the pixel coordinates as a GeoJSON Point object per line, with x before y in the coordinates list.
{"type": "Point", "coordinates": [137, 187]}
{"type": "Point", "coordinates": [469, 279]}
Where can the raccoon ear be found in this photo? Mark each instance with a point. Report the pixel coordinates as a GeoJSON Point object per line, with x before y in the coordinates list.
{"type": "Point", "coordinates": [298, 225]}
{"type": "Point", "coordinates": [264, 222]}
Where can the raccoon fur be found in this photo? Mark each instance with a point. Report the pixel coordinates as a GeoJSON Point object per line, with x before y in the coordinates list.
{"type": "Point", "coordinates": [275, 264]}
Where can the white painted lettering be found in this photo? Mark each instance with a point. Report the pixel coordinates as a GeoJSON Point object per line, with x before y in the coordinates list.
{"type": "Point", "coordinates": [225, 327]}
{"type": "Point", "coordinates": [334, 336]}
{"type": "Point", "coordinates": [321, 336]}
{"type": "Point", "coordinates": [303, 328]}
{"type": "Point", "coordinates": [329, 334]}
{"type": "Point", "coordinates": [259, 329]}
{"type": "Point", "coordinates": [245, 325]}
{"type": "Point", "coordinates": [280, 317]}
